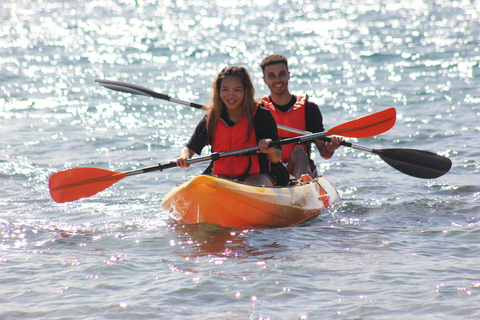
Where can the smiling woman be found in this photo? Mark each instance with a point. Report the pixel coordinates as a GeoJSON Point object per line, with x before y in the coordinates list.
{"type": "Point", "coordinates": [235, 121]}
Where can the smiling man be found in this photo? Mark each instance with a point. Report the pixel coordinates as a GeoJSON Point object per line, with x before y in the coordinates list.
{"type": "Point", "coordinates": [295, 112]}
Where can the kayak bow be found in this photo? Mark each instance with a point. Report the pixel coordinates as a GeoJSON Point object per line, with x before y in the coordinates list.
{"type": "Point", "coordinates": [208, 199]}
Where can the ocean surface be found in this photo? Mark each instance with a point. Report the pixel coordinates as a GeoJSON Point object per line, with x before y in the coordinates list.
{"type": "Point", "coordinates": [396, 247]}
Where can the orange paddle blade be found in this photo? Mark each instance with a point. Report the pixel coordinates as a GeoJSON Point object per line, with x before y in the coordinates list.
{"type": "Point", "coordinates": [78, 183]}
{"type": "Point", "coordinates": [367, 126]}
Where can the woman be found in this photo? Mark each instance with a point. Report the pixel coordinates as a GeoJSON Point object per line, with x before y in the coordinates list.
{"type": "Point", "coordinates": [234, 121]}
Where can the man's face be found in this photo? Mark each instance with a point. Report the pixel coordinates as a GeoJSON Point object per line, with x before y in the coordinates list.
{"type": "Point", "coordinates": [276, 77]}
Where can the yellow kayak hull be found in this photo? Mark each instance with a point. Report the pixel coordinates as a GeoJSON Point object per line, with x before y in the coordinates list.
{"type": "Point", "coordinates": [208, 199]}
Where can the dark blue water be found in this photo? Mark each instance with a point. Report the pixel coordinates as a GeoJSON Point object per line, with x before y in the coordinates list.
{"type": "Point", "coordinates": [396, 247]}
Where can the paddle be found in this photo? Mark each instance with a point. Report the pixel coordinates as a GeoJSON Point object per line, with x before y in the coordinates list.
{"type": "Point", "coordinates": [389, 115]}
{"type": "Point", "coordinates": [416, 163]}
{"type": "Point", "coordinates": [77, 183]}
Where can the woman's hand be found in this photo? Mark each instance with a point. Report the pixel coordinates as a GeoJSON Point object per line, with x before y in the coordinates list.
{"type": "Point", "coordinates": [273, 155]}
{"type": "Point", "coordinates": [184, 155]}
{"type": "Point", "coordinates": [263, 146]}
{"type": "Point", "coordinates": [182, 162]}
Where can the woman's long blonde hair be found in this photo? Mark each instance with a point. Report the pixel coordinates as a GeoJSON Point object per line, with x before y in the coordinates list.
{"type": "Point", "coordinates": [214, 109]}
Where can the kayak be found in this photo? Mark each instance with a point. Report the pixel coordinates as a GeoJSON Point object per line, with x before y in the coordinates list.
{"type": "Point", "coordinates": [209, 199]}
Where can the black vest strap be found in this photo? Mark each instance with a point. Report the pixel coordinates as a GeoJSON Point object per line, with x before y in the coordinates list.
{"type": "Point", "coordinates": [245, 174]}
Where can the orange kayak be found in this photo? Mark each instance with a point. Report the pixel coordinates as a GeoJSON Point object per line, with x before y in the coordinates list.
{"type": "Point", "coordinates": [233, 204]}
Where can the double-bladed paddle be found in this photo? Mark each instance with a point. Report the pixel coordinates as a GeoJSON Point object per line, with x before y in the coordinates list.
{"type": "Point", "coordinates": [416, 163]}
{"type": "Point", "coordinates": [77, 183]}
{"type": "Point", "coordinates": [361, 132]}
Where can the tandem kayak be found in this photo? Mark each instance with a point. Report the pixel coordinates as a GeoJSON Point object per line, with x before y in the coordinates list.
{"type": "Point", "coordinates": [208, 199]}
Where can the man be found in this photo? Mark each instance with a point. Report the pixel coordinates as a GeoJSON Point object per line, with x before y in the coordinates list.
{"type": "Point", "coordinates": [295, 112]}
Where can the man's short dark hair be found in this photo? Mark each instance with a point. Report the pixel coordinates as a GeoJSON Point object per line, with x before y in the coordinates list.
{"type": "Point", "coordinates": [273, 59]}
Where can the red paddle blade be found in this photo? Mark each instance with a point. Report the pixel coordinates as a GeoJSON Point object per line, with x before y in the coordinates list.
{"type": "Point", "coordinates": [367, 126]}
{"type": "Point", "coordinates": [78, 183]}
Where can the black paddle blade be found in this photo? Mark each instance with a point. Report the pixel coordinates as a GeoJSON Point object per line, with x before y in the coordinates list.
{"type": "Point", "coordinates": [416, 163]}
{"type": "Point", "coordinates": [131, 88]}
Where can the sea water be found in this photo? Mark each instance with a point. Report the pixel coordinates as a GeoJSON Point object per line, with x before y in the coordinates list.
{"type": "Point", "coordinates": [396, 247]}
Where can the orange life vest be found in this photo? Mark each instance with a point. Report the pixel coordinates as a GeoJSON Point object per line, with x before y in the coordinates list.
{"type": "Point", "coordinates": [293, 118]}
{"type": "Point", "coordinates": [233, 138]}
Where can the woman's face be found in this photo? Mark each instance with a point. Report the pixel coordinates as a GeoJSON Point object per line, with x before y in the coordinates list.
{"type": "Point", "coordinates": [232, 92]}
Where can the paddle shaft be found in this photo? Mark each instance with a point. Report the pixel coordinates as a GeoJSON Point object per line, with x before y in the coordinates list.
{"type": "Point", "coordinates": [241, 152]}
